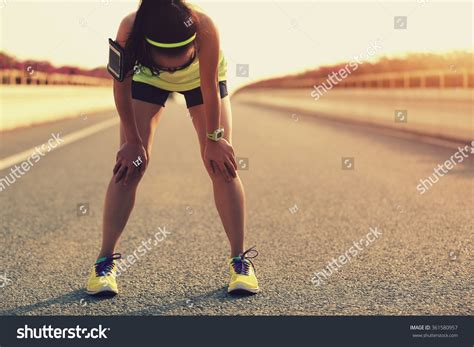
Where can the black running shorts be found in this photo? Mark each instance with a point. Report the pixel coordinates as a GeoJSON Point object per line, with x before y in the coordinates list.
{"type": "Point", "coordinates": [158, 96]}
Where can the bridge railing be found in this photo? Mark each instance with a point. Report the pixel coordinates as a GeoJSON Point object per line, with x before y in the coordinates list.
{"type": "Point", "coordinates": [461, 78]}
{"type": "Point", "coordinates": [21, 77]}
{"type": "Point", "coordinates": [412, 79]}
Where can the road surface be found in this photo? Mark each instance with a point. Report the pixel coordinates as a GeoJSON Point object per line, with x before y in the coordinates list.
{"type": "Point", "coordinates": [303, 211]}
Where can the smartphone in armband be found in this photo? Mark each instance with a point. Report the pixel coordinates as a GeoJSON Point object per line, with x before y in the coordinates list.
{"type": "Point", "coordinates": [116, 65]}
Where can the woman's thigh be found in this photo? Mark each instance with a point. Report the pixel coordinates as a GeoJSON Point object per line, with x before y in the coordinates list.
{"type": "Point", "coordinates": [199, 120]}
{"type": "Point", "coordinates": [147, 116]}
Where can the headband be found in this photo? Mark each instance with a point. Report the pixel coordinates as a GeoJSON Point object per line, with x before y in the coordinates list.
{"type": "Point", "coordinates": [170, 45]}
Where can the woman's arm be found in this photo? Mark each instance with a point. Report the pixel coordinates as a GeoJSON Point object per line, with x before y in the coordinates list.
{"type": "Point", "coordinates": [219, 153]}
{"type": "Point", "coordinates": [209, 46]}
{"type": "Point", "coordinates": [123, 90]}
{"type": "Point", "coordinates": [133, 146]}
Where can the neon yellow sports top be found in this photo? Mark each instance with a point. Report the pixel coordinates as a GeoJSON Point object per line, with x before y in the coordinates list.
{"type": "Point", "coordinates": [181, 80]}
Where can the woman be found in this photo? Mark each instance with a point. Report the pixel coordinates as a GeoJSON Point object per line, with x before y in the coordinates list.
{"type": "Point", "coordinates": [172, 46]}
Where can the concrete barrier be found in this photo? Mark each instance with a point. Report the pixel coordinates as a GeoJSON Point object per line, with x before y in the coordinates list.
{"type": "Point", "coordinates": [25, 105]}
{"type": "Point", "coordinates": [441, 113]}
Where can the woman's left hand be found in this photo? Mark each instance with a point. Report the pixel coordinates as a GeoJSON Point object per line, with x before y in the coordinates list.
{"type": "Point", "coordinates": [219, 157]}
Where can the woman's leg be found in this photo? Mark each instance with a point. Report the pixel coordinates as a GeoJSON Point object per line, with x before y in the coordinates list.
{"type": "Point", "coordinates": [120, 199]}
{"type": "Point", "coordinates": [229, 197]}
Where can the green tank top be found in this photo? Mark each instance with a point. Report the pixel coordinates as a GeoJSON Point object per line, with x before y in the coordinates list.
{"type": "Point", "coordinates": [181, 80]}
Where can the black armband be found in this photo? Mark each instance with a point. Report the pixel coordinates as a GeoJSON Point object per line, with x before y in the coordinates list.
{"type": "Point", "coordinates": [116, 65]}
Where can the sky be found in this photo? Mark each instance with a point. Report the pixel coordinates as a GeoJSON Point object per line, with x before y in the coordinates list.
{"type": "Point", "coordinates": [272, 37]}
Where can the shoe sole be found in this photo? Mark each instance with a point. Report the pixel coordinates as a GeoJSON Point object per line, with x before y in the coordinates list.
{"type": "Point", "coordinates": [243, 288]}
{"type": "Point", "coordinates": [103, 290]}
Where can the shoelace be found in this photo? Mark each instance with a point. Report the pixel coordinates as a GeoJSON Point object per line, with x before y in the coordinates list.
{"type": "Point", "coordinates": [241, 263]}
{"type": "Point", "coordinates": [105, 266]}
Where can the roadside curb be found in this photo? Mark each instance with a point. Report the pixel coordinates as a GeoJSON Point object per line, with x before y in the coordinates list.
{"type": "Point", "coordinates": [447, 142]}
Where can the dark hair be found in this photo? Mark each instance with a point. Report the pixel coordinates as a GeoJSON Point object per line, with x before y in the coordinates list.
{"type": "Point", "coordinates": [165, 21]}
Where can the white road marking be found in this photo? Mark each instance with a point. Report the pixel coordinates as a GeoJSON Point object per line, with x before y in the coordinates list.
{"type": "Point", "coordinates": [68, 139]}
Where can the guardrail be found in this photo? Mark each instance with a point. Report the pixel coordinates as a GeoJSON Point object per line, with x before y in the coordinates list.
{"type": "Point", "coordinates": [462, 78]}
{"type": "Point", "coordinates": [20, 77]}
{"type": "Point", "coordinates": [413, 79]}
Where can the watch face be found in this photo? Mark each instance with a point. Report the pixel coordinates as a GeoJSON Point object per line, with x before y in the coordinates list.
{"type": "Point", "coordinates": [219, 134]}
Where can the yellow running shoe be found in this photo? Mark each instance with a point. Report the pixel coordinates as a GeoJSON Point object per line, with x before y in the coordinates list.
{"type": "Point", "coordinates": [242, 273]}
{"type": "Point", "coordinates": [102, 276]}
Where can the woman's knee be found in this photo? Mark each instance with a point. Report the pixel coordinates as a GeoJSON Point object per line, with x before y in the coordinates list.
{"type": "Point", "coordinates": [132, 181]}
{"type": "Point", "coordinates": [216, 176]}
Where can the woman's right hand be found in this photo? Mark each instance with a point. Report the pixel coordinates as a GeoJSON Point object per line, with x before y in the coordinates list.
{"type": "Point", "coordinates": [131, 158]}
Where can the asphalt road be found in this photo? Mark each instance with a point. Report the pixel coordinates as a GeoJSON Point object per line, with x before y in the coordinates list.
{"type": "Point", "coordinates": [303, 211]}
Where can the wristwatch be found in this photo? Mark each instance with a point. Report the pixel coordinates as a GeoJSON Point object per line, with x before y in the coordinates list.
{"type": "Point", "coordinates": [216, 135]}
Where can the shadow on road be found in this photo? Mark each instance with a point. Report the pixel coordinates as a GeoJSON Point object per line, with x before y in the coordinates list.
{"type": "Point", "coordinates": [218, 295]}
{"type": "Point", "coordinates": [80, 298]}
{"type": "Point", "coordinates": [74, 297]}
